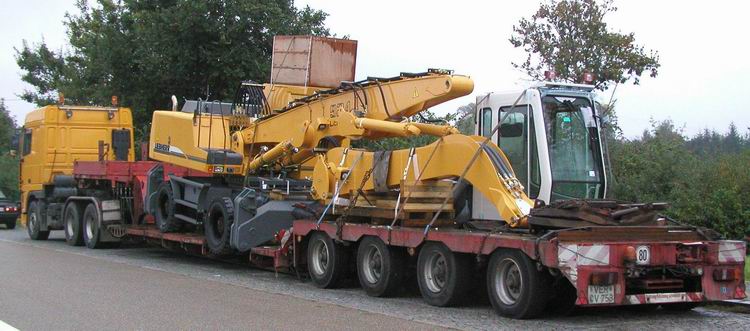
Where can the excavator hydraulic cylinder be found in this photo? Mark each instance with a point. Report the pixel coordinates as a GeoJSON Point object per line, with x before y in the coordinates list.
{"type": "Point", "coordinates": [271, 155]}
{"type": "Point", "coordinates": [394, 128]}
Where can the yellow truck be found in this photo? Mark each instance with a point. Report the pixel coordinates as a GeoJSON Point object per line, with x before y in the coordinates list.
{"type": "Point", "coordinates": [52, 139]}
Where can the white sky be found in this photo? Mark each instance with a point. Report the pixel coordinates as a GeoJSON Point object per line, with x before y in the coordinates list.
{"type": "Point", "coordinates": [703, 49]}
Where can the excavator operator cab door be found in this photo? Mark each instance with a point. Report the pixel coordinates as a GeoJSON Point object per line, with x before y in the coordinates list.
{"type": "Point", "coordinates": [551, 138]}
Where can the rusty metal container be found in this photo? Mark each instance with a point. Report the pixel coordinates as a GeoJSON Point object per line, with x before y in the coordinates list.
{"type": "Point", "coordinates": [313, 61]}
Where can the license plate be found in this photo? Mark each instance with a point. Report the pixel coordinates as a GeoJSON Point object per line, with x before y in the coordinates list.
{"type": "Point", "coordinates": [601, 294]}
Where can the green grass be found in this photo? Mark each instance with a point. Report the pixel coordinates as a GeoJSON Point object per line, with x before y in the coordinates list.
{"type": "Point", "coordinates": [747, 269]}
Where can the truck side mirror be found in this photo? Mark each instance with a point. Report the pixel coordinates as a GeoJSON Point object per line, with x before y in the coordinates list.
{"type": "Point", "coordinates": [14, 143]}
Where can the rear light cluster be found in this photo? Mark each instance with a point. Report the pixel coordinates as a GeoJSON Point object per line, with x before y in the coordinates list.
{"type": "Point", "coordinates": [727, 274]}
{"type": "Point", "coordinates": [9, 209]}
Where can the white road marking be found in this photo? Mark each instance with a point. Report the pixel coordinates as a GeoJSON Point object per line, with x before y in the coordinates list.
{"type": "Point", "coordinates": [6, 327]}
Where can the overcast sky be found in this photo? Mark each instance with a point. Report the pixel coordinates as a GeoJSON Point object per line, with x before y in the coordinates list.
{"type": "Point", "coordinates": [703, 48]}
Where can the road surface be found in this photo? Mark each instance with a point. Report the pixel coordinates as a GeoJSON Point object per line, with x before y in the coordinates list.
{"type": "Point", "coordinates": [48, 285]}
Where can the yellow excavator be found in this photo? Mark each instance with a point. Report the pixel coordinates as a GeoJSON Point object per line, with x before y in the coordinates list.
{"type": "Point", "coordinates": [297, 137]}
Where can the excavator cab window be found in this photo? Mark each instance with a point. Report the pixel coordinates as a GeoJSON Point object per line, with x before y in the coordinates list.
{"type": "Point", "coordinates": [573, 148]}
{"type": "Point", "coordinates": [487, 124]}
{"type": "Point", "coordinates": [515, 138]}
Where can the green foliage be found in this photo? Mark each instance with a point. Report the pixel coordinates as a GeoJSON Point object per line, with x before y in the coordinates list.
{"type": "Point", "coordinates": [704, 178]}
{"type": "Point", "coordinates": [9, 163]}
{"type": "Point", "coordinates": [145, 51]}
{"type": "Point", "coordinates": [570, 37]}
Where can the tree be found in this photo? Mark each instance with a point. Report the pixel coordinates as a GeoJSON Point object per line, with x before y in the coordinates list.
{"type": "Point", "coordinates": [571, 38]}
{"type": "Point", "coordinates": [8, 162]}
{"type": "Point", "coordinates": [145, 51]}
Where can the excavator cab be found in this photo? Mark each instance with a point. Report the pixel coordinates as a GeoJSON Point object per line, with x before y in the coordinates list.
{"type": "Point", "coordinates": [552, 139]}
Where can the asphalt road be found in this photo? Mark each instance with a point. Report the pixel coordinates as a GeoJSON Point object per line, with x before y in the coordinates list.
{"type": "Point", "coordinates": [48, 285]}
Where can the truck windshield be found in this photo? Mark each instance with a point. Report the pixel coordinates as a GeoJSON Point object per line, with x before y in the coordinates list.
{"type": "Point", "coordinates": [573, 147]}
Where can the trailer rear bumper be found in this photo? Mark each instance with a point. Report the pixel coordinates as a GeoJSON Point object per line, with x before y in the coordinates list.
{"type": "Point", "coordinates": [627, 273]}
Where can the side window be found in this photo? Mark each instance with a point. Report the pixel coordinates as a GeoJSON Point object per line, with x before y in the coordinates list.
{"type": "Point", "coordinates": [513, 140]}
{"type": "Point", "coordinates": [487, 122]}
{"type": "Point", "coordinates": [27, 142]}
{"type": "Point", "coordinates": [518, 141]}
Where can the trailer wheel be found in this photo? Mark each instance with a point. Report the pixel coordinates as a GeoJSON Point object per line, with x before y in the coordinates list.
{"type": "Point", "coordinates": [34, 222]}
{"type": "Point", "coordinates": [165, 220]}
{"type": "Point", "coordinates": [444, 277]}
{"type": "Point", "coordinates": [379, 267]}
{"type": "Point", "coordinates": [72, 221]}
{"type": "Point", "coordinates": [91, 227]}
{"type": "Point", "coordinates": [326, 261]}
{"type": "Point", "coordinates": [515, 287]}
{"type": "Point", "coordinates": [218, 225]}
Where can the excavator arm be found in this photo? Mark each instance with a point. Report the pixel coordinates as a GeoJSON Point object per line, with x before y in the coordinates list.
{"type": "Point", "coordinates": [342, 172]}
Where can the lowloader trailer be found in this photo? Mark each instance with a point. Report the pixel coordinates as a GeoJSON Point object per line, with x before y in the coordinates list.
{"type": "Point", "coordinates": [673, 266]}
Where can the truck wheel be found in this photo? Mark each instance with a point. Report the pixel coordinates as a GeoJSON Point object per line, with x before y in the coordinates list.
{"type": "Point", "coordinates": [11, 224]}
{"type": "Point", "coordinates": [73, 229]}
{"type": "Point", "coordinates": [34, 223]}
{"type": "Point", "coordinates": [165, 220]}
{"type": "Point", "coordinates": [443, 276]}
{"type": "Point", "coordinates": [91, 227]}
{"type": "Point", "coordinates": [380, 268]}
{"type": "Point", "coordinates": [218, 225]}
{"type": "Point", "coordinates": [515, 287]}
{"type": "Point", "coordinates": [326, 261]}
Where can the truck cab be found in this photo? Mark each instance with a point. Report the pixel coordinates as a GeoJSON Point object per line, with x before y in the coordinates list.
{"type": "Point", "coordinates": [51, 140]}
{"type": "Point", "coordinates": [551, 138]}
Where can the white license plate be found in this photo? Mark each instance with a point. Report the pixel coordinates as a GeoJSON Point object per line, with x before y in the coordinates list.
{"type": "Point", "coordinates": [601, 294]}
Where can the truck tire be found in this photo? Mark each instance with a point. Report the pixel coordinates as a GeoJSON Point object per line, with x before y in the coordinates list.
{"type": "Point", "coordinates": [34, 222]}
{"type": "Point", "coordinates": [218, 225]}
{"type": "Point", "coordinates": [326, 261]}
{"type": "Point", "coordinates": [516, 288]}
{"type": "Point", "coordinates": [444, 277]}
{"type": "Point", "coordinates": [165, 220]}
{"type": "Point", "coordinates": [91, 227]}
{"type": "Point", "coordinates": [379, 267]}
{"type": "Point", "coordinates": [10, 224]}
{"type": "Point", "coordinates": [72, 223]}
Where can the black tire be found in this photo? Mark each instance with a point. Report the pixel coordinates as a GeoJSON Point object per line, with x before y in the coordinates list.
{"type": "Point", "coordinates": [680, 306]}
{"type": "Point", "coordinates": [218, 225]}
{"type": "Point", "coordinates": [34, 218]}
{"type": "Point", "coordinates": [444, 277]}
{"type": "Point", "coordinates": [11, 224]}
{"type": "Point", "coordinates": [165, 220]}
{"type": "Point", "coordinates": [380, 268]}
{"type": "Point", "coordinates": [91, 227]}
{"type": "Point", "coordinates": [326, 261]}
{"type": "Point", "coordinates": [516, 288]}
{"type": "Point", "coordinates": [72, 224]}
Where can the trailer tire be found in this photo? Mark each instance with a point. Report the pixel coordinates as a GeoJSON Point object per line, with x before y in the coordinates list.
{"type": "Point", "coordinates": [380, 268]}
{"type": "Point", "coordinates": [72, 223]}
{"type": "Point", "coordinates": [326, 261]}
{"type": "Point", "coordinates": [516, 288]}
{"type": "Point", "coordinates": [33, 226]}
{"type": "Point", "coordinates": [10, 224]}
{"type": "Point", "coordinates": [444, 277]}
{"type": "Point", "coordinates": [92, 227]}
{"type": "Point", "coordinates": [218, 225]}
{"type": "Point", "coordinates": [165, 220]}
